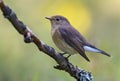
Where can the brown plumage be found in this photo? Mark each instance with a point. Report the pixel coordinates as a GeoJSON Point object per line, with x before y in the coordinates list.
{"type": "Point", "coordinates": [68, 39]}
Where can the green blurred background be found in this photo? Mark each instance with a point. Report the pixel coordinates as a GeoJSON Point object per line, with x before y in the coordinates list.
{"type": "Point", "coordinates": [97, 20]}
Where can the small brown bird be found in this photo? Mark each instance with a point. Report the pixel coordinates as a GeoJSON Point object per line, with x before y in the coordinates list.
{"type": "Point", "coordinates": [68, 39]}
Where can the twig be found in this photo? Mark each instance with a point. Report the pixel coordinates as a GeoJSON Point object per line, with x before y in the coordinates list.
{"type": "Point", "coordinates": [30, 37]}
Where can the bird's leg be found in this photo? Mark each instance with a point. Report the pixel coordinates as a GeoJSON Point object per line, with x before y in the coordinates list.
{"type": "Point", "coordinates": [64, 53]}
{"type": "Point", "coordinates": [68, 56]}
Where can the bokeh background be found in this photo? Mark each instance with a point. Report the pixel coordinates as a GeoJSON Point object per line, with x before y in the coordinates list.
{"type": "Point", "coordinates": [97, 20]}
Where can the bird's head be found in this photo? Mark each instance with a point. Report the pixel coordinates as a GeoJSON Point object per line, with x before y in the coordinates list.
{"type": "Point", "coordinates": [58, 20]}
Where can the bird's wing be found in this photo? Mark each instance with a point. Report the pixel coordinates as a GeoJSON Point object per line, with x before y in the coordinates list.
{"type": "Point", "coordinates": [73, 38]}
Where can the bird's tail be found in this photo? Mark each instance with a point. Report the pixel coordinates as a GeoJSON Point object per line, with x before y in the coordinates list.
{"type": "Point", "coordinates": [103, 52]}
{"type": "Point", "coordinates": [92, 48]}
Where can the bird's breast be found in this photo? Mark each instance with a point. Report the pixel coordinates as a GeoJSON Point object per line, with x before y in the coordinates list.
{"type": "Point", "coordinates": [60, 43]}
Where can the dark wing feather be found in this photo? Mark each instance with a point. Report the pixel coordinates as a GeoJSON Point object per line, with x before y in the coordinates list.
{"type": "Point", "coordinates": [73, 38]}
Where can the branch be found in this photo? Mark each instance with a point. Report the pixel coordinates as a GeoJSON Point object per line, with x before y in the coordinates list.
{"type": "Point", "coordinates": [30, 37]}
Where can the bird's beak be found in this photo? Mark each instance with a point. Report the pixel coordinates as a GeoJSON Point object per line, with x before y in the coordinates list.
{"type": "Point", "coordinates": [49, 18]}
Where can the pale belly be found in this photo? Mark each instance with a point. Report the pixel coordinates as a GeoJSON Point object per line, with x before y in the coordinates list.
{"type": "Point", "coordinates": [61, 44]}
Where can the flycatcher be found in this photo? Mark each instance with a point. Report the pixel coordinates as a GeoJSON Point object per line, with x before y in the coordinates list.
{"type": "Point", "coordinates": [68, 39]}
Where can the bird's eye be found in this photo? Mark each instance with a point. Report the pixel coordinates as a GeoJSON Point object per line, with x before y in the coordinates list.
{"type": "Point", "coordinates": [57, 19]}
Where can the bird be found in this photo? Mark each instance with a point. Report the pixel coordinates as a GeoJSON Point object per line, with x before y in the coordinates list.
{"type": "Point", "coordinates": [68, 39]}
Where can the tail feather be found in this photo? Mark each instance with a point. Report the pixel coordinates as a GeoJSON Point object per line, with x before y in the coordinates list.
{"type": "Point", "coordinates": [102, 52]}
{"type": "Point", "coordinates": [92, 48]}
